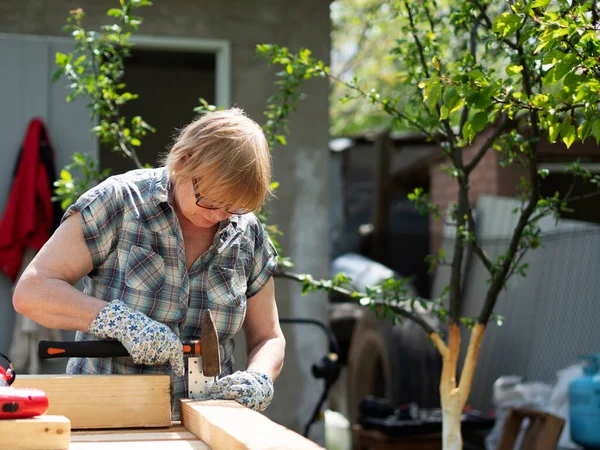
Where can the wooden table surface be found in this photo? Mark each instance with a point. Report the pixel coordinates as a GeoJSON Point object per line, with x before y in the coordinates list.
{"type": "Point", "coordinates": [175, 437]}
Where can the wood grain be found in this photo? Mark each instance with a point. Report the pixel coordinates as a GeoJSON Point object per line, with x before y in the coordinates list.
{"type": "Point", "coordinates": [41, 433]}
{"type": "Point", "coordinates": [228, 425]}
{"type": "Point", "coordinates": [105, 401]}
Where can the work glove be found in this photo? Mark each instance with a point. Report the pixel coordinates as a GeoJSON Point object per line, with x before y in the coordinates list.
{"type": "Point", "coordinates": [251, 388]}
{"type": "Point", "coordinates": [146, 340]}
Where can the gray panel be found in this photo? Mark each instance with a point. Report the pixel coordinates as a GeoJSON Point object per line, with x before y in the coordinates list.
{"type": "Point", "coordinates": [33, 79]}
{"type": "Point", "coordinates": [12, 125]}
{"type": "Point", "coordinates": [69, 124]}
{"type": "Point", "coordinates": [26, 91]}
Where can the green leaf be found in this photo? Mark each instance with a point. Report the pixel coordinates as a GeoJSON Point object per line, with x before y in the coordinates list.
{"type": "Point", "coordinates": [436, 63]}
{"type": "Point", "coordinates": [432, 94]}
{"type": "Point", "coordinates": [479, 121]}
{"type": "Point", "coordinates": [114, 12]}
{"type": "Point", "coordinates": [567, 132]}
{"type": "Point", "coordinates": [459, 105]}
{"type": "Point", "coordinates": [540, 4]}
{"type": "Point", "coordinates": [451, 98]}
{"type": "Point", "coordinates": [553, 130]}
{"type": "Point", "coordinates": [513, 70]}
{"type": "Point", "coordinates": [61, 59]}
{"type": "Point", "coordinates": [476, 75]}
{"type": "Point", "coordinates": [444, 112]}
{"type": "Point", "coordinates": [136, 142]}
{"type": "Point", "coordinates": [506, 24]}
{"type": "Point", "coordinates": [65, 175]}
{"type": "Point", "coordinates": [468, 131]}
{"type": "Point", "coordinates": [583, 131]}
{"type": "Point", "coordinates": [596, 130]}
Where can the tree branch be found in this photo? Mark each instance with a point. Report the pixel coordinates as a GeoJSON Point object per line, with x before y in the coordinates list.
{"type": "Point", "coordinates": [463, 210]}
{"type": "Point", "coordinates": [473, 50]}
{"type": "Point", "coordinates": [358, 295]}
{"type": "Point", "coordinates": [416, 38]}
{"type": "Point", "coordinates": [386, 107]}
{"type": "Point", "coordinates": [487, 144]}
{"type": "Point", "coordinates": [421, 51]}
{"type": "Point", "coordinates": [499, 277]}
{"type": "Point", "coordinates": [488, 24]}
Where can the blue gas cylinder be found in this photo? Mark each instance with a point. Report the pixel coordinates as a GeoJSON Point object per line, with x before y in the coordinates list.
{"type": "Point", "coordinates": [584, 405]}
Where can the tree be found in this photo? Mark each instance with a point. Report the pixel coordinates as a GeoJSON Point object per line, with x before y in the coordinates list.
{"type": "Point", "coordinates": [472, 75]}
{"type": "Point", "coordinates": [495, 77]}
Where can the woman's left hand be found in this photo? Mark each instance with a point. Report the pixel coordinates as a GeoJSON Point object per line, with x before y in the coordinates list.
{"type": "Point", "coordinates": [250, 388]}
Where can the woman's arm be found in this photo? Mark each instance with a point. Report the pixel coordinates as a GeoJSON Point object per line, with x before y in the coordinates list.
{"type": "Point", "coordinates": [265, 344]}
{"type": "Point", "coordinates": [45, 291]}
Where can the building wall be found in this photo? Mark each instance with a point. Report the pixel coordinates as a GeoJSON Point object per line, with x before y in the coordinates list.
{"type": "Point", "coordinates": [301, 207]}
{"type": "Point", "coordinates": [489, 177]}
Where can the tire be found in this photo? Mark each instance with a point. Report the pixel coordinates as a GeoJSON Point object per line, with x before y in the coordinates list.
{"type": "Point", "coordinates": [397, 363]}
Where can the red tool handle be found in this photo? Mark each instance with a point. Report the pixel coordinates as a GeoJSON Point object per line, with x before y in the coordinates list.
{"type": "Point", "coordinates": [20, 403]}
{"type": "Point", "coordinates": [98, 349]}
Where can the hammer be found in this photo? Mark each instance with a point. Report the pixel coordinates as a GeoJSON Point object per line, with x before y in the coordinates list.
{"type": "Point", "coordinates": [203, 357]}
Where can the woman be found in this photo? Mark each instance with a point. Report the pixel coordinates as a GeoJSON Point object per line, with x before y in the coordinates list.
{"type": "Point", "coordinates": [156, 248]}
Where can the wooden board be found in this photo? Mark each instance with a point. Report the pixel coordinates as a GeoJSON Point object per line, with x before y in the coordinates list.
{"type": "Point", "coordinates": [40, 433]}
{"type": "Point", "coordinates": [228, 425]}
{"type": "Point", "coordinates": [105, 401]}
{"type": "Point", "coordinates": [176, 437]}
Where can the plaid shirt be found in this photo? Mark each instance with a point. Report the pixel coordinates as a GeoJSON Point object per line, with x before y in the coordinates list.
{"type": "Point", "coordinates": [136, 244]}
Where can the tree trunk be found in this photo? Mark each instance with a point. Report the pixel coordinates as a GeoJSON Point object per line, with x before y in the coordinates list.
{"type": "Point", "coordinates": [454, 397]}
{"type": "Point", "coordinates": [451, 430]}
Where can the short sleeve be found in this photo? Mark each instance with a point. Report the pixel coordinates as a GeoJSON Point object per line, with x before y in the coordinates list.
{"type": "Point", "coordinates": [264, 262]}
{"type": "Point", "coordinates": [101, 212]}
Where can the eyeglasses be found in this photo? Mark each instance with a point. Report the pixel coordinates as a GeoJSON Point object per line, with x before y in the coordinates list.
{"type": "Point", "coordinates": [203, 202]}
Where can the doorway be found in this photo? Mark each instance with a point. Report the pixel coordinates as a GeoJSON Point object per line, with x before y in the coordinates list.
{"type": "Point", "coordinates": [169, 84]}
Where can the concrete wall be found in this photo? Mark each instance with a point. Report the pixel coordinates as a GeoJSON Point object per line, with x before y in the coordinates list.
{"type": "Point", "coordinates": [302, 200]}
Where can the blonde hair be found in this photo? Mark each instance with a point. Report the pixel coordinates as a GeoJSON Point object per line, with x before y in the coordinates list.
{"type": "Point", "coordinates": [228, 154]}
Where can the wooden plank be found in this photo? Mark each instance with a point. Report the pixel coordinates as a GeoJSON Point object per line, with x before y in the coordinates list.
{"type": "Point", "coordinates": [174, 437]}
{"type": "Point", "coordinates": [137, 445]}
{"type": "Point", "coordinates": [175, 428]}
{"type": "Point", "coordinates": [228, 425]}
{"type": "Point", "coordinates": [42, 432]}
{"type": "Point", "coordinates": [123, 437]}
{"type": "Point", "coordinates": [106, 401]}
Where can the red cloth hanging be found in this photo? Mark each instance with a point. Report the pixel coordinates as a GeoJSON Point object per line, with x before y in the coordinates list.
{"type": "Point", "coordinates": [28, 216]}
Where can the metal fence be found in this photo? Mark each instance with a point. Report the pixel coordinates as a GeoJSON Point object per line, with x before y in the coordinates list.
{"type": "Point", "coordinates": [551, 316]}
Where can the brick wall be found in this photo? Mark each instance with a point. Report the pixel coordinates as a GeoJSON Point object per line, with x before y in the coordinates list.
{"type": "Point", "coordinates": [490, 178]}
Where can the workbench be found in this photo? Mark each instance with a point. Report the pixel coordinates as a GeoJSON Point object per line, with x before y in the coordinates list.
{"type": "Point", "coordinates": [119, 412]}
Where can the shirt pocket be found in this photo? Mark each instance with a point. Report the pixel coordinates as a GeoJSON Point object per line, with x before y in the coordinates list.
{"type": "Point", "coordinates": [145, 270]}
{"type": "Point", "coordinates": [225, 286]}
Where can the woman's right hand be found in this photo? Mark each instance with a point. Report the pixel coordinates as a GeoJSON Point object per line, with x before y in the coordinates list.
{"type": "Point", "coordinates": [146, 340]}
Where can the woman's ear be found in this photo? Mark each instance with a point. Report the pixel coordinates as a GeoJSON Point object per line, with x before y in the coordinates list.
{"type": "Point", "coordinates": [181, 163]}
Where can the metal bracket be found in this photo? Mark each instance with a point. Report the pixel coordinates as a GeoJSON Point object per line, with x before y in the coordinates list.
{"type": "Point", "coordinates": [198, 384]}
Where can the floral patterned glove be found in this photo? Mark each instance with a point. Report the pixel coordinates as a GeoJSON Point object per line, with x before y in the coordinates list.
{"type": "Point", "coordinates": [251, 388]}
{"type": "Point", "coordinates": [146, 340]}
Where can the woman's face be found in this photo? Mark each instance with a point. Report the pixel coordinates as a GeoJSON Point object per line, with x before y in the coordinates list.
{"type": "Point", "coordinates": [185, 201]}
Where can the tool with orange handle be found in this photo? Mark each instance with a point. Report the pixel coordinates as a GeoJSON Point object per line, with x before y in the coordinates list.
{"type": "Point", "coordinates": [203, 359]}
{"type": "Point", "coordinates": [19, 403]}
